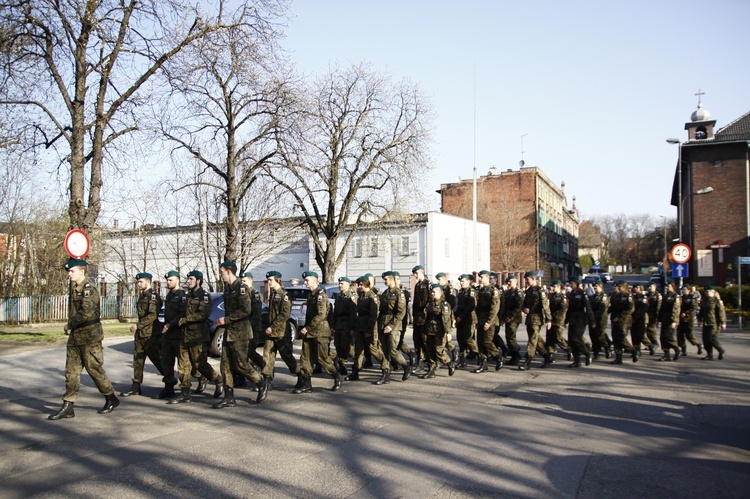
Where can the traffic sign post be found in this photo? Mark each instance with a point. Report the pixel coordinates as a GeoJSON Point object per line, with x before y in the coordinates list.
{"type": "Point", "coordinates": [743, 260]}
{"type": "Point", "coordinates": [681, 253]}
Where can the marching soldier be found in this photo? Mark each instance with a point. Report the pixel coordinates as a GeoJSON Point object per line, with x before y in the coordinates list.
{"type": "Point", "coordinates": [578, 316]}
{"type": "Point", "coordinates": [511, 314]}
{"type": "Point", "coordinates": [449, 295]}
{"type": "Point", "coordinates": [194, 341]}
{"type": "Point", "coordinates": [688, 308]}
{"type": "Point", "coordinates": [146, 332]}
{"type": "Point", "coordinates": [366, 333]}
{"type": "Point", "coordinates": [256, 309]}
{"type": "Point", "coordinates": [640, 320]}
{"type": "Point", "coordinates": [344, 320]}
{"type": "Point", "coordinates": [497, 338]}
{"type": "Point", "coordinates": [438, 323]}
{"type": "Point", "coordinates": [654, 305]}
{"type": "Point", "coordinates": [84, 347]}
{"type": "Point", "coordinates": [419, 298]}
{"type": "Point", "coordinates": [466, 319]}
{"type": "Point", "coordinates": [621, 308]}
{"type": "Point", "coordinates": [598, 331]}
{"type": "Point", "coordinates": [171, 333]}
{"type": "Point", "coordinates": [488, 304]}
{"type": "Point", "coordinates": [558, 307]}
{"type": "Point", "coordinates": [237, 334]}
{"type": "Point", "coordinates": [391, 314]}
{"type": "Point", "coordinates": [669, 316]}
{"type": "Point", "coordinates": [536, 308]}
{"type": "Point", "coordinates": [277, 341]}
{"type": "Point", "coordinates": [316, 335]}
{"type": "Point", "coordinates": [714, 319]}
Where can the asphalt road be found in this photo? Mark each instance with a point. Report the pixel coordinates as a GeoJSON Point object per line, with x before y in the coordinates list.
{"type": "Point", "coordinates": [651, 429]}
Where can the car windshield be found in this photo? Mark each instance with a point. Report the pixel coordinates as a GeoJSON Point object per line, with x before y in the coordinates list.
{"type": "Point", "coordinates": [298, 294]}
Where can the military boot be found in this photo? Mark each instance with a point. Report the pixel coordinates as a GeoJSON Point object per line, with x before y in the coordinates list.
{"type": "Point", "coordinates": [666, 357]}
{"type": "Point", "coordinates": [618, 359]}
{"type": "Point", "coordinates": [202, 382]}
{"type": "Point", "coordinates": [569, 353]}
{"type": "Point", "coordinates": [636, 354]}
{"type": "Point", "coordinates": [652, 349]}
{"type": "Point", "coordinates": [262, 390]}
{"type": "Point", "coordinates": [407, 373]}
{"type": "Point", "coordinates": [300, 380]}
{"type": "Point", "coordinates": [684, 350]}
{"type": "Point", "coordinates": [342, 368]}
{"type": "Point", "coordinates": [547, 360]}
{"type": "Point", "coordinates": [482, 367]}
{"type": "Point", "coordinates": [526, 364]}
{"type": "Point", "coordinates": [227, 401]}
{"type": "Point", "coordinates": [317, 369]}
{"type": "Point", "coordinates": [385, 377]}
{"type": "Point", "coordinates": [700, 349]}
{"type": "Point", "coordinates": [576, 361]}
{"type": "Point", "coordinates": [462, 360]}
{"type": "Point", "coordinates": [305, 388]}
{"type": "Point", "coordinates": [430, 372]}
{"type": "Point", "coordinates": [515, 359]}
{"type": "Point", "coordinates": [268, 379]}
{"type": "Point", "coordinates": [499, 362]}
{"type": "Point", "coordinates": [337, 380]}
{"type": "Point", "coordinates": [451, 368]}
{"type": "Point", "coordinates": [607, 352]}
{"type": "Point", "coordinates": [135, 389]}
{"type": "Point", "coordinates": [721, 354]}
{"type": "Point", "coordinates": [354, 375]}
{"type": "Point", "coordinates": [219, 390]}
{"type": "Point", "coordinates": [111, 401]}
{"type": "Point", "coordinates": [676, 355]}
{"type": "Point", "coordinates": [184, 397]}
{"type": "Point", "coordinates": [65, 412]}
{"type": "Point", "coordinates": [708, 357]}
{"type": "Point", "coordinates": [589, 358]}
{"type": "Point", "coordinates": [167, 392]}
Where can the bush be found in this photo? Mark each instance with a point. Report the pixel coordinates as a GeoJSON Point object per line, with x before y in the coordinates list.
{"type": "Point", "coordinates": [730, 296]}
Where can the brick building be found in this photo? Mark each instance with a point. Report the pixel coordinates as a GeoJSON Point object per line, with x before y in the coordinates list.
{"type": "Point", "coordinates": [715, 219]}
{"type": "Point", "coordinates": [531, 226]}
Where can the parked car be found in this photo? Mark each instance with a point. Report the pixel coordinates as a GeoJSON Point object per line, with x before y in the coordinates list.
{"type": "Point", "coordinates": [591, 279]}
{"type": "Point", "coordinates": [298, 296]}
{"type": "Point", "coordinates": [606, 277]}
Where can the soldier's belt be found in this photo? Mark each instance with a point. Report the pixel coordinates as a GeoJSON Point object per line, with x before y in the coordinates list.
{"type": "Point", "coordinates": [86, 324]}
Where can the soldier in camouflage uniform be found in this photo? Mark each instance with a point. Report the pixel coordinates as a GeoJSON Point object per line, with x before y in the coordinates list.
{"type": "Point", "coordinates": [419, 299]}
{"type": "Point", "coordinates": [497, 338]}
{"type": "Point", "coordinates": [488, 304]}
{"type": "Point", "coordinates": [256, 309]}
{"type": "Point", "coordinates": [438, 323]}
{"type": "Point", "coordinates": [147, 332]}
{"type": "Point", "coordinates": [449, 294]}
{"type": "Point", "coordinates": [175, 304]}
{"type": "Point", "coordinates": [512, 316]}
{"type": "Point", "coordinates": [714, 319]}
{"type": "Point", "coordinates": [578, 316]}
{"type": "Point", "coordinates": [669, 316]}
{"type": "Point", "coordinates": [654, 305]}
{"type": "Point", "coordinates": [316, 335]}
{"type": "Point", "coordinates": [366, 333]}
{"type": "Point", "coordinates": [688, 309]}
{"type": "Point", "coordinates": [598, 331]}
{"type": "Point", "coordinates": [621, 308]}
{"type": "Point", "coordinates": [640, 320]}
{"type": "Point", "coordinates": [536, 308]}
{"type": "Point", "coordinates": [344, 319]}
{"type": "Point", "coordinates": [84, 348]}
{"type": "Point", "coordinates": [194, 341]}
{"type": "Point", "coordinates": [466, 319]}
{"type": "Point", "coordinates": [390, 320]}
{"type": "Point", "coordinates": [558, 307]}
{"type": "Point", "coordinates": [237, 334]}
{"type": "Point", "coordinates": [277, 339]}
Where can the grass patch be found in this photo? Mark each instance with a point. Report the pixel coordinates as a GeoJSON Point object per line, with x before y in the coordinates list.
{"type": "Point", "coordinates": [52, 333]}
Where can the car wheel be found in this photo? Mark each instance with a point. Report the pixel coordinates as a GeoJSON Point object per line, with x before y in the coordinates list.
{"type": "Point", "coordinates": [217, 343]}
{"type": "Point", "coordinates": [292, 330]}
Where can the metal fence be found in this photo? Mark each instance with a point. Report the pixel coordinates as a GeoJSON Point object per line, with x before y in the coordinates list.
{"type": "Point", "coordinates": [34, 309]}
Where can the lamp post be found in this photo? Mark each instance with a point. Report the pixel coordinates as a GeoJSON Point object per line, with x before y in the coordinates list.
{"type": "Point", "coordinates": [679, 184]}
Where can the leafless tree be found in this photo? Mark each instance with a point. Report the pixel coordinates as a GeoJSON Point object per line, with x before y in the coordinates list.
{"type": "Point", "coordinates": [79, 72]}
{"type": "Point", "coordinates": [353, 153]}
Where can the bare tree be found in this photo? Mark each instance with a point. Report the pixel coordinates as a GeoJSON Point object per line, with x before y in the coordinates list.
{"type": "Point", "coordinates": [353, 153]}
{"type": "Point", "coordinates": [78, 71]}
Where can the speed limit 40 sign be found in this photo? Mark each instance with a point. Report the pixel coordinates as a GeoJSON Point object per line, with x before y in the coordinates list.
{"type": "Point", "coordinates": [681, 253]}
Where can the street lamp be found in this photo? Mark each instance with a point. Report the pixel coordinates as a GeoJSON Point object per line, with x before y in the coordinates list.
{"type": "Point", "coordinates": [679, 184]}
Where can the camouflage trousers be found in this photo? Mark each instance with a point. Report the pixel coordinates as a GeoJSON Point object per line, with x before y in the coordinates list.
{"type": "Point", "coordinates": [554, 339]}
{"type": "Point", "coordinates": [90, 356]}
{"type": "Point", "coordinates": [435, 350]}
{"type": "Point", "coordinates": [465, 337]}
{"type": "Point", "coordinates": [638, 335]}
{"type": "Point", "coordinates": [234, 360]}
{"type": "Point", "coordinates": [282, 346]}
{"type": "Point", "coordinates": [535, 343]}
{"type": "Point", "coordinates": [685, 332]}
{"type": "Point", "coordinates": [194, 358]}
{"type": "Point", "coordinates": [667, 337]}
{"type": "Point", "coordinates": [510, 336]}
{"type": "Point", "coordinates": [371, 344]}
{"type": "Point", "coordinates": [653, 336]}
{"type": "Point", "coordinates": [576, 340]}
{"type": "Point", "coordinates": [711, 339]}
{"type": "Point", "coordinates": [342, 341]}
{"type": "Point", "coordinates": [390, 348]}
{"type": "Point", "coordinates": [169, 352]}
{"type": "Point", "coordinates": [620, 337]}
{"type": "Point", "coordinates": [487, 347]}
{"type": "Point", "coordinates": [319, 346]}
{"type": "Point", "coordinates": [145, 347]}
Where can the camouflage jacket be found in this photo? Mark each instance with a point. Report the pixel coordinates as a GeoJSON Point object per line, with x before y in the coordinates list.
{"type": "Point", "coordinates": [148, 306]}
{"type": "Point", "coordinates": [237, 309]}
{"type": "Point", "coordinates": [195, 327]}
{"type": "Point", "coordinates": [279, 308]}
{"type": "Point", "coordinates": [84, 324]}
{"type": "Point", "coordinates": [316, 317]}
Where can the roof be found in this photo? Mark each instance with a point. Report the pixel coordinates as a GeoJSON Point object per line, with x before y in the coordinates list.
{"type": "Point", "coordinates": [739, 129]}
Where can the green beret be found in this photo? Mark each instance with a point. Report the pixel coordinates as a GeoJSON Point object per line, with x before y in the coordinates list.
{"type": "Point", "coordinates": [556, 281]}
{"type": "Point", "coordinates": [493, 274]}
{"type": "Point", "coordinates": [439, 275]}
{"type": "Point", "coordinates": [248, 274]}
{"type": "Point", "coordinates": [273, 273]}
{"type": "Point", "coordinates": [415, 269]}
{"type": "Point", "coordinates": [530, 273]}
{"type": "Point", "coordinates": [367, 276]}
{"type": "Point", "coordinates": [389, 273]}
{"type": "Point", "coordinates": [229, 264]}
{"type": "Point", "coordinates": [309, 273]}
{"type": "Point", "coordinates": [466, 276]}
{"type": "Point", "coordinates": [574, 279]}
{"type": "Point", "coordinates": [362, 279]}
{"type": "Point", "coordinates": [143, 275]}
{"type": "Point", "coordinates": [195, 273]}
{"type": "Point", "coordinates": [621, 281]}
{"type": "Point", "coordinates": [435, 285]}
{"type": "Point", "coordinates": [171, 273]}
{"type": "Point", "coordinates": [75, 262]}
{"type": "Point", "coordinates": [670, 280]}
{"type": "Point", "coordinates": [345, 279]}
{"type": "Point", "coordinates": [511, 276]}
{"type": "Point", "coordinates": [710, 287]}
{"type": "Point", "coordinates": [484, 272]}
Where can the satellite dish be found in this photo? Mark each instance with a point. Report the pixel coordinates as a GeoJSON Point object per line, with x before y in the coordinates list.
{"type": "Point", "coordinates": [521, 163]}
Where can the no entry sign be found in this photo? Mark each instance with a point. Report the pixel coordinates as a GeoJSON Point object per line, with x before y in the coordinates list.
{"type": "Point", "coordinates": [77, 243]}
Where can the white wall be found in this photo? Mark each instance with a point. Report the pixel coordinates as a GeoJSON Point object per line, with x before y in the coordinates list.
{"type": "Point", "coordinates": [450, 248]}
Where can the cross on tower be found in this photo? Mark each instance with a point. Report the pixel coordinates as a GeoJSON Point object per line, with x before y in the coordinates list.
{"type": "Point", "coordinates": [699, 94]}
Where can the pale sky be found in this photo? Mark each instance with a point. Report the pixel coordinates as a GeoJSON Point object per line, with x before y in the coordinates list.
{"type": "Point", "coordinates": [597, 86]}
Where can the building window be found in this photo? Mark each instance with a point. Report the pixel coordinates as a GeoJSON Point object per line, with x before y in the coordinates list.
{"type": "Point", "coordinates": [374, 246]}
{"type": "Point", "coordinates": [405, 245]}
{"type": "Point", "coordinates": [358, 247]}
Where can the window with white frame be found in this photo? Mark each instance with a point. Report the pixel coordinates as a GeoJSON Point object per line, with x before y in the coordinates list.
{"type": "Point", "coordinates": [358, 247]}
{"type": "Point", "coordinates": [405, 245]}
{"type": "Point", "coordinates": [374, 246]}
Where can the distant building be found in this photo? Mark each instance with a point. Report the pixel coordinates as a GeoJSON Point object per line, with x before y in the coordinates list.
{"type": "Point", "coordinates": [531, 227]}
{"type": "Point", "coordinates": [715, 197]}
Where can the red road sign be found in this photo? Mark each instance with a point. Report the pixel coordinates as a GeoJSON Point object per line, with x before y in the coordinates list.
{"type": "Point", "coordinates": [681, 253]}
{"type": "Point", "coordinates": [77, 243]}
